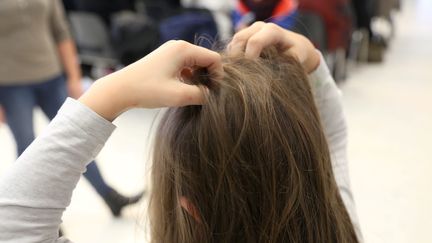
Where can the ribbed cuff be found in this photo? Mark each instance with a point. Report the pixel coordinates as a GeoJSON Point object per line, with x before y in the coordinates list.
{"type": "Point", "coordinates": [319, 76]}
{"type": "Point", "coordinates": [87, 120]}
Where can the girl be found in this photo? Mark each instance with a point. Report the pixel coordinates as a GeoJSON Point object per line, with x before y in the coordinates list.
{"type": "Point", "coordinates": [241, 165]}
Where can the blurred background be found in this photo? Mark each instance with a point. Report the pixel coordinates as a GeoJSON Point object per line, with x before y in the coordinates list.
{"type": "Point", "coordinates": [379, 52]}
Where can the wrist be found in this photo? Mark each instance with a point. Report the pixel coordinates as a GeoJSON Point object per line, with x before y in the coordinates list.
{"type": "Point", "coordinates": [104, 97]}
{"type": "Point", "coordinates": [73, 79]}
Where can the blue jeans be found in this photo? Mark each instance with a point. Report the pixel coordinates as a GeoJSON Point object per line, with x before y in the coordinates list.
{"type": "Point", "coordinates": [18, 102]}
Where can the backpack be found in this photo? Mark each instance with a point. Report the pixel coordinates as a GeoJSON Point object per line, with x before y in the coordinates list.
{"type": "Point", "coordinates": [337, 17]}
{"type": "Point", "coordinates": [189, 24]}
{"type": "Point", "coordinates": [134, 36]}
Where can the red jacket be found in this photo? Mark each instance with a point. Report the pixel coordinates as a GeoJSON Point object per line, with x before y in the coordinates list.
{"type": "Point", "coordinates": [284, 7]}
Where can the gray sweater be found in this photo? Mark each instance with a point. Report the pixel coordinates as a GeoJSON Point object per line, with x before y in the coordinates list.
{"type": "Point", "coordinates": [36, 189]}
{"type": "Point", "coordinates": [29, 34]}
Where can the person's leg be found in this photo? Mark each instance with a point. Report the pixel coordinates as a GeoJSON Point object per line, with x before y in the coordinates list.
{"type": "Point", "coordinates": [95, 178]}
{"type": "Point", "coordinates": [18, 103]}
{"type": "Point", "coordinates": [364, 16]}
{"type": "Point", "coordinates": [50, 97]}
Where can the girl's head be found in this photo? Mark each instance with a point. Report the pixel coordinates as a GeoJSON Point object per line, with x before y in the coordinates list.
{"type": "Point", "coordinates": [251, 165]}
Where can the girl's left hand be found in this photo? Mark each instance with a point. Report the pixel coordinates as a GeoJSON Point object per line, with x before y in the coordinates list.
{"type": "Point", "coordinates": [2, 116]}
{"type": "Point", "coordinates": [153, 81]}
{"type": "Point", "coordinates": [75, 88]}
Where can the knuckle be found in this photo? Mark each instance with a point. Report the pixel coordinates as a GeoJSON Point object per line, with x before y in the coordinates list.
{"type": "Point", "coordinates": [177, 44]}
{"type": "Point", "coordinates": [238, 38]}
{"type": "Point", "coordinates": [214, 55]}
{"type": "Point", "coordinates": [272, 27]}
{"type": "Point", "coordinates": [258, 24]}
{"type": "Point", "coordinates": [170, 43]}
{"type": "Point", "coordinates": [217, 56]}
{"type": "Point", "coordinates": [254, 41]}
{"type": "Point", "coordinates": [181, 44]}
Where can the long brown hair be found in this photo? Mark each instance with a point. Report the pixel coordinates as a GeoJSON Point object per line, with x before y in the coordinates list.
{"type": "Point", "coordinates": [253, 162]}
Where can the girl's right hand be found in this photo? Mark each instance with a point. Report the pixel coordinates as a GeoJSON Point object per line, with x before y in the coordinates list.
{"type": "Point", "coordinates": [260, 35]}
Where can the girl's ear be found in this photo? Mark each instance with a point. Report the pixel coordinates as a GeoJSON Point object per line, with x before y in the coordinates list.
{"type": "Point", "coordinates": [190, 208]}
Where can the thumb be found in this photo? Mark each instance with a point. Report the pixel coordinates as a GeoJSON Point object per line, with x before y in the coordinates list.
{"type": "Point", "coordinates": [183, 94]}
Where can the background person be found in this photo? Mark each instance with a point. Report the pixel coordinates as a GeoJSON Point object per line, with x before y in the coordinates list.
{"type": "Point", "coordinates": [36, 48]}
{"type": "Point", "coordinates": [280, 12]}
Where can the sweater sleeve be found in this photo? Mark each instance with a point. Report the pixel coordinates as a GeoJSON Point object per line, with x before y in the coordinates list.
{"type": "Point", "coordinates": [38, 187]}
{"type": "Point", "coordinates": [58, 23]}
{"type": "Point", "coordinates": [329, 103]}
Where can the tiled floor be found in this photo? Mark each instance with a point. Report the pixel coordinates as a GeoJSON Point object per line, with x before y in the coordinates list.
{"type": "Point", "coordinates": [389, 109]}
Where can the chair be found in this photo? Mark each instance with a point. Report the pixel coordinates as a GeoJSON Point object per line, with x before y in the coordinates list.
{"type": "Point", "coordinates": [92, 38]}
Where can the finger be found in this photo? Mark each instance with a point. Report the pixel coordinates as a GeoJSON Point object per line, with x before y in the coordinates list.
{"type": "Point", "coordinates": [186, 74]}
{"type": "Point", "coordinates": [270, 35]}
{"type": "Point", "coordinates": [181, 94]}
{"type": "Point", "coordinates": [196, 56]}
{"type": "Point", "coordinates": [294, 53]}
{"type": "Point", "coordinates": [298, 53]}
{"type": "Point", "coordinates": [238, 43]}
